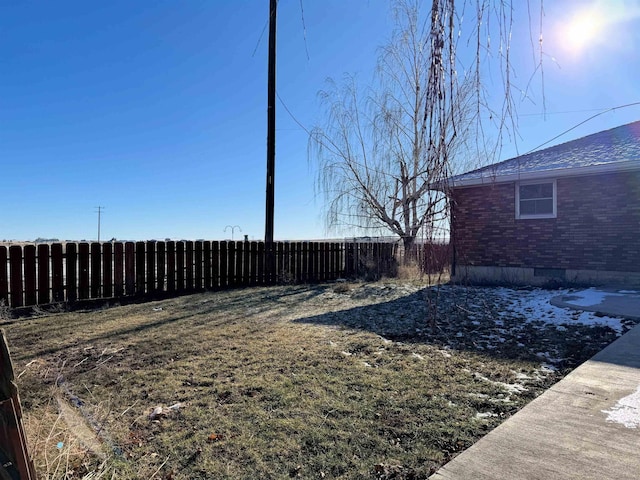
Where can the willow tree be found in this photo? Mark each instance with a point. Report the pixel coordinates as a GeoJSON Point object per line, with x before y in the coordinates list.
{"type": "Point", "coordinates": [382, 150]}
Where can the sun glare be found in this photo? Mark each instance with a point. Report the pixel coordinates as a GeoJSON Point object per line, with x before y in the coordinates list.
{"type": "Point", "coordinates": [583, 30]}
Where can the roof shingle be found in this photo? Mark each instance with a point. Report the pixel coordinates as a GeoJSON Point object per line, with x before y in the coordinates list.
{"type": "Point", "coordinates": [611, 149]}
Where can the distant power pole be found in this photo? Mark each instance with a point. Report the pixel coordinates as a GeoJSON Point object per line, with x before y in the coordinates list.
{"type": "Point", "coordinates": [271, 141]}
{"type": "Point", "coordinates": [99, 210]}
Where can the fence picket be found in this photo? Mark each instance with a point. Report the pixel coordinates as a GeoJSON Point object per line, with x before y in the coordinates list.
{"type": "Point", "coordinates": [71, 258]}
{"type": "Point", "coordinates": [180, 266]}
{"type": "Point", "coordinates": [231, 264]}
{"type": "Point", "coordinates": [96, 270]}
{"type": "Point", "coordinates": [107, 270]}
{"type": "Point", "coordinates": [246, 263]}
{"type": "Point", "coordinates": [253, 280]}
{"type": "Point", "coordinates": [43, 273]}
{"type": "Point", "coordinates": [15, 272]}
{"type": "Point", "coordinates": [161, 266]}
{"type": "Point", "coordinates": [188, 261]}
{"type": "Point", "coordinates": [215, 264]}
{"type": "Point", "coordinates": [206, 264]}
{"type": "Point", "coordinates": [171, 267]}
{"type": "Point", "coordinates": [118, 269]}
{"type": "Point", "coordinates": [130, 268]}
{"type": "Point", "coordinates": [140, 268]}
{"type": "Point", "coordinates": [260, 280]}
{"type": "Point", "coordinates": [239, 256]}
{"type": "Point", "coordinates": [4, 276]}
{"type": "Point", "coordinates": [151, 266]}
{"type": "Point", "coordinates": [198, 266]}
{"type": "Point", "coordinates": [83, 274]}
{"type": "Point", "coordinates": [30, 275]}
{"type": "Point", "coordinates": [224, 278]}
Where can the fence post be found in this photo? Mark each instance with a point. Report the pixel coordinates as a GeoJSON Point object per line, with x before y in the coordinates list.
{"type": "Point", "coordinates": [14, 456]}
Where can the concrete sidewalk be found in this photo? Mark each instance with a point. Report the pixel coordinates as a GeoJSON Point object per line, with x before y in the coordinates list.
{"type": "Point", "coordinates": [587, 426]}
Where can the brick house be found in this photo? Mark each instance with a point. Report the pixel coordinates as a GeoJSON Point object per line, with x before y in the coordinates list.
{"type": "Point", "coordinates": [569, 213]}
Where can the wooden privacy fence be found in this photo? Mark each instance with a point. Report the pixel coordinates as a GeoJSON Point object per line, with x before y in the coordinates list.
{"type": "Point", "coordinates": [42, 274]}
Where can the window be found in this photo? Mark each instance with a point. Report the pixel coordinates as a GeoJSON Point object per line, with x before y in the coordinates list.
{"type": "Point", "coordinates": [536, 200]}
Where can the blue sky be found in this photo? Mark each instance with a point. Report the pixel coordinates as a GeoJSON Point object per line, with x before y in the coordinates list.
{"type": "Point", "coordinates": [157, 110]}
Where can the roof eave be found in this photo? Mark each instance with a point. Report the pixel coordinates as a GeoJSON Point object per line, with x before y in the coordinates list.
{"type": "Point", "coordinates": [622, 166]}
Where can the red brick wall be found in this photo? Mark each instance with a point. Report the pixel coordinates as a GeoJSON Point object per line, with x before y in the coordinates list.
{"type": "Point", "coordinates": [597, 226]}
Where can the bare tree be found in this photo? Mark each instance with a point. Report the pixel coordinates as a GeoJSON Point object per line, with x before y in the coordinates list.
{"type": "Point", "coordinates": [381, 153]}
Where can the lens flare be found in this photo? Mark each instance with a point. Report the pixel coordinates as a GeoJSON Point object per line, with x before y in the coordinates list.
{"type": "Point", "coordinates": [584, 30]}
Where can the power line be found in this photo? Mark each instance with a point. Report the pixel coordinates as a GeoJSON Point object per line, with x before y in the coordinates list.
{"type": "Point", "coordinates": [304, 30]}
{"type": "Point", "coordinates": [582, 123]}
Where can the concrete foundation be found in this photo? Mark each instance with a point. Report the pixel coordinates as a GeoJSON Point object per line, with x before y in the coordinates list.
{"type": "Point", "coordinates": [542, 276]}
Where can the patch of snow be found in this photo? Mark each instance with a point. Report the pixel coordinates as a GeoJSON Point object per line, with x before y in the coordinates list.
{"type": "Point", "coordinates": [486, 414]}
{"type": "Point", "coordinates": [547, 368]}
{"type": "Point", "coordinates": [534, 306]}
{"type": "Point", "coordinates": [629, 291]}
{"type": "Point", "coordinates": [417, 355]}
{"type": "Point", "coordinates": [509, 387]}
{"type": "Point", "coordinates": [626, 411]}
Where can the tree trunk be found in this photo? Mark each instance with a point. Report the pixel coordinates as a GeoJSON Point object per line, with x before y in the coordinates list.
{"type": "Point", "coordinates": [410, 251]}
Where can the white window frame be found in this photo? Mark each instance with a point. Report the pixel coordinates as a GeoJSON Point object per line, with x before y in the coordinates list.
{"type": "Point", "coordinates": [525, 216]}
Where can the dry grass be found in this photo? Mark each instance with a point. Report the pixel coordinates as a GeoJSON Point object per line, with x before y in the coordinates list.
{"type": "Point", "coordinates": [282, 382]}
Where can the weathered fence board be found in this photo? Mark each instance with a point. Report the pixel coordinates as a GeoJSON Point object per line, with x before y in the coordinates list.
{"type": "Point", "coordinates": [4, 277]}
{"type": "Point", "coordinates": [13, 441]}
{"type": "Point", "coordinates": [180, 267]}
{"type": "Point", "coordinates": [140, 268]}
{"type": "Point", "coordinates": [151, 266]}
{"type": "Point", "coordinates": [118, 269]}
{"type": "Point", "coordinates": [71, 272]}
{"type": "Point", "coordinates": [30, 275]}
{"type": "Point", "coordinates": [130, 268]}
{"type": "Point", "coordinates": [107, 270]}
{"type": "Point", "coordinates": [83, 265]}
{"type": "Point", "coordinates": [206, 264]}
{"type": "Point", "coordinates": [41, 274]}
{"type": "Point", "coordinates": [15, 268]}
{"type": "Point", "coordinates": [96, 270]}
{"type": "Point", "coordinates": [171, 267]}
{"type": "Point", "coordinates": [189, 272]}
{"type": "Point", "coordinates": [198, 272]}
{"type": "Point", "coordinates": [160, 268]}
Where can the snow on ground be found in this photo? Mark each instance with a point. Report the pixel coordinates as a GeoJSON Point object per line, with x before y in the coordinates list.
{"type": "Point", "coordinates": [592, 296]}
{"type": "Point", "coordinates": [626, 411]}
{"type": "Point", "coordinates": [534, 305]}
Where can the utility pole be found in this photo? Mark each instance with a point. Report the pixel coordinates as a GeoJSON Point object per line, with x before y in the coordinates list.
{"type": "Point", "coordinates": [271, 144]}
{"type": "Point", "coordinates": [99, 210]}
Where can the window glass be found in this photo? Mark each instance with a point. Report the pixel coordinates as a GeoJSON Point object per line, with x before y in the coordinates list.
{"type": "Point", "coordinates": [539, 190]}
{"type": "Point", "coordinates": [536, 199]}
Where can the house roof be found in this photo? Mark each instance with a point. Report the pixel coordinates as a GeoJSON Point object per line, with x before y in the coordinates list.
{"type": "Point", "coordinates": [617, 149]}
